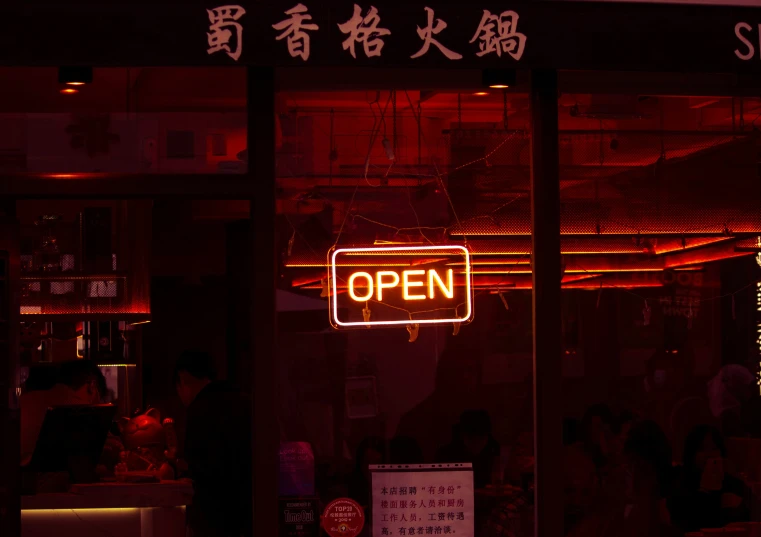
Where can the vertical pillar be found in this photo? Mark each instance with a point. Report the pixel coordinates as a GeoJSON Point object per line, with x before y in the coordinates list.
{"type": "Point", "coordinates": [239, 275]}
{"type": "Point", "coordinates": [261, 173]}
{"type": "Point", "coordinates": [545, 242]}
{"type": "Point", "coordinates": [10, 457]}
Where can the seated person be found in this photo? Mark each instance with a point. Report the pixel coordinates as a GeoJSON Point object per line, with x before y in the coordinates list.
{"type": "Point", "coordinates": [733, 403]}
{"type": "Point", "coordinates": [638, 509]}
{"type": "Point", "coordinates": [706, 496]}
{"type": "Point", "coordinates": [78, 382]}
{"type": "Point", "coordinates": [472, 442]}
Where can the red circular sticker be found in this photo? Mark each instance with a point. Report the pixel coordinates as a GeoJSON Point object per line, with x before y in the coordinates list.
{"type": "Point", "coordinates": [343, 518]}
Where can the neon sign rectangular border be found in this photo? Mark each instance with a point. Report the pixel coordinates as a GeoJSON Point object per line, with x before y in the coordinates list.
{"type": "Point", "coordinates": [334, 286]}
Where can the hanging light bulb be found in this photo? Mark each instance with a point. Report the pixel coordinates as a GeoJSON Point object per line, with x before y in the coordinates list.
{"type": "Point", "coordinates": [366, 313]}
{"type": "Point", "coordinates": [498, 78]}
{"type": "Point", "coordinates": [75, 76]}
{"type": "Point", "coordinates": [456, 329]}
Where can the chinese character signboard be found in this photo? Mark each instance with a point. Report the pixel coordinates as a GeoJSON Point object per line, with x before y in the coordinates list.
{"type": "Point", "coordinates": [225, 32]}
{"type": "Point", "coordinates": [296, 29]}
{"type": "Point", "coordinates": [517, 34]}
{"type": "Point", "coordinates": [362, 32]}
{"type": "Point", "coordinates": [513, 35]}
{"type": "Point", "coordinates": [422, 500]}
{"type": "Point", "coordinates": [400, 285]}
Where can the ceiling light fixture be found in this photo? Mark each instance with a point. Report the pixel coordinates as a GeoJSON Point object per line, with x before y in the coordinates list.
{"type": "Point", "coordinates": [481, 93]}
{"type": "Point", "coordinates": [69, 91]}
{"type": "Point", "coordinates": [75, 76]}
{"type": "Point", "coordinates": [498, 78]}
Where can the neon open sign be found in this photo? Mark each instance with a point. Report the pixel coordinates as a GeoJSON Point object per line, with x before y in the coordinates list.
{"type": "Point", "coordinates": [400, 285]}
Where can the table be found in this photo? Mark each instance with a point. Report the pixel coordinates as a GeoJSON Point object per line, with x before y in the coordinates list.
{"type": "Point", "coordinates": [113, 509]}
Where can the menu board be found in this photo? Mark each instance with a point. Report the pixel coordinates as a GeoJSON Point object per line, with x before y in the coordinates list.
{"type": "Point", "coordinates": [422, 499]}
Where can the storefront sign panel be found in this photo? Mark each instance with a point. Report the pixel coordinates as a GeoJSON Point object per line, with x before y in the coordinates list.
{"type": "Point", "coordinates": [400, 285]}
{"type": "Point", "coordinates": [384, 33]}
{"type": "Point", "coordinates": [569, 35]}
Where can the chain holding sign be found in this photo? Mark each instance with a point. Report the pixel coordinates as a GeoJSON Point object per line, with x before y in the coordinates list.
{"type": "Point", "coordinates": [422, 499]}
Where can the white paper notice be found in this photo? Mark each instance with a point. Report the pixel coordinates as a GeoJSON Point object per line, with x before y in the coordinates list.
{"type": "Point", "coordinates": [422, 500]}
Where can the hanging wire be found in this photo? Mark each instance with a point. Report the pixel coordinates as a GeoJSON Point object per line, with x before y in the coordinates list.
{"type": "Point", "coordinates": [417, 113]}
{"type": "Point", "coordinates": [439, 176]}
{"type": "Point", "coordinates": [373, 137]}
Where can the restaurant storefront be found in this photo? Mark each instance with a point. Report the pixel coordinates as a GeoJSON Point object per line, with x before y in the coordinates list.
{"type": "Point", "coordinates": [443, 224]}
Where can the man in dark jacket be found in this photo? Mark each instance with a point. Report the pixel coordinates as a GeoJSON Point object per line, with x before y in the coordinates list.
{"type": "Point", "coordinates": [217, 450]}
